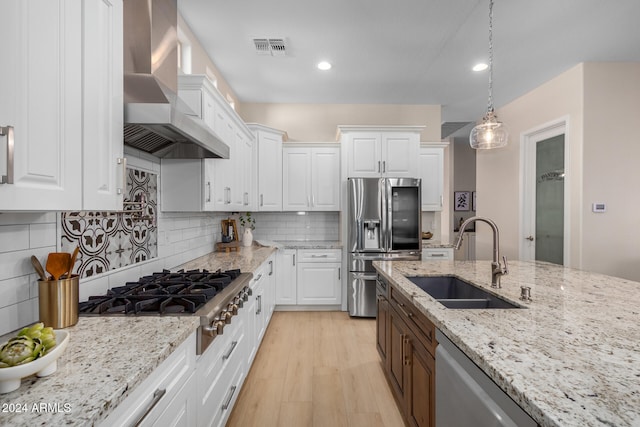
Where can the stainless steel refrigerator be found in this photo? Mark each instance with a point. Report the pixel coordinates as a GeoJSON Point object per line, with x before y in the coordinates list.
{"type": "Point", "coordinates": [384, 223]}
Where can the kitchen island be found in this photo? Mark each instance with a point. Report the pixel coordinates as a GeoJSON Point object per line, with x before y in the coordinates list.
{"type": "Point", "coordinates": [570, 358]}
{"type": "Point", "coordinates": [108, 357]}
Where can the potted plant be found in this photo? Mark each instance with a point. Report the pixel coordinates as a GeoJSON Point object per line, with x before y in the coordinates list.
{"type": "Point", "coordinates": [248, 223]}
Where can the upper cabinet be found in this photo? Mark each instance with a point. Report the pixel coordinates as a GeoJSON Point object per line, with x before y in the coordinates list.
{"type": "Point", "coordinates": [432, 175]}
{"type": "Point", "coordinates": [61, 97]}
{"type": "Point", "coordinates": [211, 184]}
{"type": "Point", "coordinates": [269, 155]}
{"type": "Point", "coordinates": [388, 151]}
{"type": "Point", "coordinates": [311, 177]}
{"type": "Point", "coordinates": [103, 166]}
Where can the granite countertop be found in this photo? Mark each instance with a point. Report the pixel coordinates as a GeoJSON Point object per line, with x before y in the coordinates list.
{"type": "Point", "coordinates": [106, 358]}
{"type": "Point", "coordinates": [571, 358]}
{"type": "Point", "coordinates": [436, 244]}
{"type": "Point", "coordinates": [305, 244]}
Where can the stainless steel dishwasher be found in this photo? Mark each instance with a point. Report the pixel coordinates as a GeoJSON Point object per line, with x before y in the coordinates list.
{"type": "Point", "coordinates": [466, 396]}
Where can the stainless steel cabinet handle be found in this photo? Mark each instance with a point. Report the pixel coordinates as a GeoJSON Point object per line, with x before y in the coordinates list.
{"type": "Point", "coordinates": [246, 198]}
{"type": "Point", "coordinates": [384, 166]}
{"type": "Point", "coordinates": [157, 395]}
{"type": "Point", "coordinates": [233, 347]}
{"type": "Point", "coordinates": [339, 273]}
{"type": "Point", "coordinates": [319, 256]}
{"type": "Point", "coordinates": [8, 131]}
{"type": "Point", "coordinates": [294, 259]}
{"type": "Point", "coordinates": [259, 298]}
{"type": "Point", "coordinates": [313, 201]}
{"type": "Point", "coordinates": [208, 191]}
{"type": "Point", "coordinates": [378, 166]}
{"type": "Point", "coordinates": [259, 277]}
{"type": "Point", "coordinates": [227, 192]}
{"type": "Point", "coordinates": [123, 161]}
{"type": "Point", "coordinates": [227, 401]}
{"type": "Point", "coordinates": [436, 255]}
{"type": "Point", "coordinates": [529, 238]}
{"type": "Point", "coordinates": [261, 200]}
{"type": "Point", "coordinates": [270, 268]}
{"type": "Point", "coordinates": [441, 200]}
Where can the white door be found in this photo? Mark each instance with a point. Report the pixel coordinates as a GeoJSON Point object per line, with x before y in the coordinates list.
{"type": "Point", "coordinates": [432, 175]}
{"type": "Point", "coordinates": [545, 222]}
{"type": "Point", "coordinates": [104, 177]}
{"type": "Point", "coordinates": [296, 179]}
{"type": "Point", "coordinates": [400, 151]}
{"type": "Point", "coordinates": [363, 154]}
{"type": "Point", "coordinates": [41, 87]}
{"type": "Point", "coordinates": [325, 179]}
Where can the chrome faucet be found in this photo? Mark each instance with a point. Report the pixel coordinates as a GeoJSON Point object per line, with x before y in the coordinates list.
{"type": "Point", "coordinates": [497, 270]}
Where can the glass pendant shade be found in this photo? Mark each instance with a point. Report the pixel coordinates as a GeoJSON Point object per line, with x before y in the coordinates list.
{"type": "Point", "coordinates": [489, 134]}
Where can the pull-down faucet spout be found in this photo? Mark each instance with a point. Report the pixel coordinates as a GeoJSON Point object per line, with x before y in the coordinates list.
{"type": "Point", "coordinates": [497, 270]}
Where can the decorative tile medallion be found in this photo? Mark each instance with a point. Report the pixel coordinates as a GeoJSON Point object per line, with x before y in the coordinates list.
{"type": "Point", "coordinates": [110, 240]}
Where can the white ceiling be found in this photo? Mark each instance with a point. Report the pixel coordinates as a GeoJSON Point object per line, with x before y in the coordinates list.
{"type": "Point", "coordinates": [408, 51]}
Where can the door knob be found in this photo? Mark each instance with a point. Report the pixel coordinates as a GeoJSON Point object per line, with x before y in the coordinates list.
{"type": "Point", "coordinates": [530, 238]}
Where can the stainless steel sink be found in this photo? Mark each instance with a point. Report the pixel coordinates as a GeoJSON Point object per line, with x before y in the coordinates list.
{"type": "Point", "coordinates": [453, 292]}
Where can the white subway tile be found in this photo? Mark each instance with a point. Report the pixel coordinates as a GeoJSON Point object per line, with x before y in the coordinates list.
{"type": "Point", "coordinates": [17, 316]}
{"type": "Point", "coordinates": [89, 287]}
{"type": "Point", "coordinates": [14, 238]}
{"type": "Point", "coordinates": [13, 291]}
{"type": "Point", "coordinates": [42, 235]}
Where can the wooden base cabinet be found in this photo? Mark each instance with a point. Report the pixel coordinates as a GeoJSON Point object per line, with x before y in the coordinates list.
{"type": "Point", "coordinates": [407, 350]}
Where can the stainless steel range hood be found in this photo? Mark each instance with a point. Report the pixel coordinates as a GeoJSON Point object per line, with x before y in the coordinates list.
{"type": "Point", "coordinates": [155, 119]}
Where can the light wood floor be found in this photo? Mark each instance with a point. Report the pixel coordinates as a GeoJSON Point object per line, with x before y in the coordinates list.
{"type": "Point", "coordinates": [316, 369]}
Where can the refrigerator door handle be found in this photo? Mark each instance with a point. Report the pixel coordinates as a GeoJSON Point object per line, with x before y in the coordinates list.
{"type": "Point", "coordinates": [365, 276]}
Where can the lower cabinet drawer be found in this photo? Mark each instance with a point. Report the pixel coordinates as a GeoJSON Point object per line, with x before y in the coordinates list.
{"type": "Point", "coordinates": [319, 255]}
{"type": "Point", "coordinates": [221, 368]}
{"type": "Point", "coordinates": [437, 254]}
{"type": "Point", "coordinates": [148, 401]}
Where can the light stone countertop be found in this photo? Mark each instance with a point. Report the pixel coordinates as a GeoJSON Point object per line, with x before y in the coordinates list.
{"type": "Point", "coordinates": [306, 244]}
{"type": "Point", "coordinates": [435, 244]}
{"type": "Point", "coordinates": [571, 358]}
{"type": "Point", "coordinates": [107, 357]}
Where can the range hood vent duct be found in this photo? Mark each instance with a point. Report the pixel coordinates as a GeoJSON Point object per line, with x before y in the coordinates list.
{"type": "Point", "coordinates": [156, 120]}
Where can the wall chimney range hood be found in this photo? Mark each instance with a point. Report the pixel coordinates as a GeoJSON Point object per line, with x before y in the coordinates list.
{"type": "Point", "coordinates": [156, 120]}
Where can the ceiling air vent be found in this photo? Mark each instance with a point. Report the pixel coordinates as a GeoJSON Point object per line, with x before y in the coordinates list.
{"type": "Point", "coordinates": [270, 46]}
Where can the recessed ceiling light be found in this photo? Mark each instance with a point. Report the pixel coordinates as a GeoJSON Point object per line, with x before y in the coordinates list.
{"type": "Point", "coordinates": [324, 66]}
{"type": "Point", "coordinates": [480, 67]}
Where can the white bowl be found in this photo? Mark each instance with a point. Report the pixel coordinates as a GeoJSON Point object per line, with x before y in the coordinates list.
{"type": "Point", "coordinates": [46, 365]}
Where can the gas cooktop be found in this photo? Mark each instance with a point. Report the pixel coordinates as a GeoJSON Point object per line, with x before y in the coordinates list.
{"type": "Point", "coordinates": [164, 293]}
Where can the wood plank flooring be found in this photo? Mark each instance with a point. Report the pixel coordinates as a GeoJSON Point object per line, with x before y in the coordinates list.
{"type": "Point", "coordinates": [316, 369]}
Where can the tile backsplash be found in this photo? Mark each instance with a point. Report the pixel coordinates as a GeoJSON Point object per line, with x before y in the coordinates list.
{"type": "Point", "coordinates": [112, 240]}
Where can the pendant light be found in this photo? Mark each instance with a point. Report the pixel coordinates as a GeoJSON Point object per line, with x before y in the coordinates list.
{"type": "Point", "coordinates": [490, 133]}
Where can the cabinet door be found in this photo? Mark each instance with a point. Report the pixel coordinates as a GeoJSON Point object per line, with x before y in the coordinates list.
{"type": "Point", "coordinates": [319, 283]}
{"type": "Point", "coordinates": [432, 175]}
{"type": "Point", "coordinates": [103, 170]}
{"type": "Point", "coordinates": [286, 277]}
{"type": "Point", "coordinates": [396, 355]}
{"type": "Point", "coordinates": [400, 152]}
{"type": "Point", "coordinates": [382, 328]}
{"type": "Point", "coordinates": [296, 179]}
{"type": "Point", "coordinates": [325, 179]}
{"type": "Point", "coordinates": [41, 87]}
{"type": "Point", "coordinates": [269, 172]}
{"type": "Point", "coordinates": [181, 410]}
{"type": "Point", "coordinates": [363, 154]}
{"type": "Point", "coordinates": [224, 177]}
{"type": "Point", "coordinates": [420, 397]}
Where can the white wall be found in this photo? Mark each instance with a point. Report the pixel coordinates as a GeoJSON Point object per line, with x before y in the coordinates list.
{"type": "Point", "coordinates": [319, 122]}
{"type": "Point", "coordinates": [498, 172]}
{"type": "Point", "coordinates": [611, 240]}
{"type": "Point", "coordinates": [602, 104]}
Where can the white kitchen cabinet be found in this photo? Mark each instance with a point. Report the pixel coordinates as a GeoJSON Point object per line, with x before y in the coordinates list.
{"type": "Point", "coordinates": [162, 390]}
{"type": "Point", "coordinates": [437, 254]}
{"type": "Point", "coordinates": [181, 410]}
{"type": "Point", "coordinates": [311, 177]}
{"type": "Point", "coordinates": [286, 277]}
{"type": "Point", "coordinates": [221, 371]}
{"type": "Point", "coordinates": [432, 175]}
{"type": "Point", "coordinates": [388, 151]}
{"type": "Point", "coordinates": [41, 102]}
{"type": "Point", "coordinates": [62, 99]}
{"type": "Point", "coordinates": [269, 182]}
{"type": "Point", "coordinates": [103, 166]}
{"type": "Point", "coordinates": [318, 277]}
{"type": "Point", "coordinates": [467, 251]}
